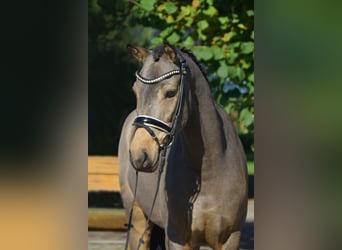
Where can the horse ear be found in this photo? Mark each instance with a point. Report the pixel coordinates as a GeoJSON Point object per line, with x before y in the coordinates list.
{"type": "Point", "coordinates": [137, 52]}
{"type": "Point", "coordinates": [170, 53]}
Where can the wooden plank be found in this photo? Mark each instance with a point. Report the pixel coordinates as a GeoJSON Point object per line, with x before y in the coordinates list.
{"type": "Point", "coordinates": [103, 164]}
{"type": "Point", "coordinates": [106, 218]}
{"type": "Point", "coordinates": [103, 173]}
{"type": "Point", "coordinates": [101, 182]}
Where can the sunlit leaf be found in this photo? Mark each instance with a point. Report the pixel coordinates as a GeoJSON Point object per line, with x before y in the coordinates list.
{"type": "Point", "coordinates": [222, 71]}
{"type": "Point", "coordinates": [148, 4]}
{"type": "Point", "coordinates": [228, 36]}
{"type": "Point", "coordinates": [223, 19]}
{"type": "Point", "coordinates": [156, 40]}
{"type": "Point", "coordinates": [211, 11]}
{"type": "Point", "coordinates": [210, 2]}
{"type": "Point", "coordinates": [203, 24]}
{"type": "Point", "coordinates": [251, 77]}
{"type": "Point", "coordinates": [218, 52]}
{"type": "Point", "coordinates": [188, 42]}
{"type": "Point", "coordinates": [174, 38]}
{"type": "Point", "coordinates": [246, 116]}
{"type": "Point", "coordinates": [161, 7]}
{"type": "Point", "coordinates": [250, 12]}
{"type": "Point", "coordinates": [186, 10]}
{"type": "Point", "coordinates": [169, 19]}
{"type": "Point", "coordinates": [170, 7]}
{"type": "Point", "coordinates": [166, 31]}
{"type": "Point", "coordinates": [202, 52]}
{"type": "Point", "coordinates": [240, 73]}
{"type": "Point", "coordinates": [247, 47]}
{"type": "Point", "coordinates": [242, 26]}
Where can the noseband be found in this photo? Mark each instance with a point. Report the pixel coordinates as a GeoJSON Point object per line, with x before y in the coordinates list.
{"type": "Point", "coordinates": [148, 122]}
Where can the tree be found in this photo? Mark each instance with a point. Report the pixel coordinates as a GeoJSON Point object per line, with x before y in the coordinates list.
{"type": "Point", "coordinates": [221, 35]}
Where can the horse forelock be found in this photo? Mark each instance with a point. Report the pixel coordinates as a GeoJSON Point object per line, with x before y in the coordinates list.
{"type": "Point", "coordinates": [158, 52]}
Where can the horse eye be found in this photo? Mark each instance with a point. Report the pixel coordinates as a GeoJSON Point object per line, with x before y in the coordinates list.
{"type": "Point", "coordinates": [170, 93]}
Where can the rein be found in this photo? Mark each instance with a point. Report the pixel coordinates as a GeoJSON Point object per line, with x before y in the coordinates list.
{"type": "Point", "coordinates": [148, 122]}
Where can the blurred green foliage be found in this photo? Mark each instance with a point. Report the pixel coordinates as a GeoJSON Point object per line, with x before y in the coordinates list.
{"type": "Point", "coordinates": [220, 34]}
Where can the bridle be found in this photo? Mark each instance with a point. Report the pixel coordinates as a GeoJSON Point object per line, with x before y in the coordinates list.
{"type": "Point", "coordinates": [148, 123]}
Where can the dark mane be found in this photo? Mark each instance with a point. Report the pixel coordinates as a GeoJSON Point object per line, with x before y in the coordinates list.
{"type": "Point", "coordinates": [192, 56]}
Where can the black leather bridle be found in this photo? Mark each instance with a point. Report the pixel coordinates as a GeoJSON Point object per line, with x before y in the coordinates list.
{"type": "Point", "coordinates": [148, 122]}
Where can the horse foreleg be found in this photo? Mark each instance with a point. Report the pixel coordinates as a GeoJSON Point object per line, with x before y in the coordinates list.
{"type": "Point", "coordinates": [175, 246]}
{"type": "Point", "coordinates": [139, 222]}
{"type": "Point", "coordinates": [232, 242]}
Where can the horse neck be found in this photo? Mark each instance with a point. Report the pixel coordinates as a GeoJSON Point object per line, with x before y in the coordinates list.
{"type": "Point", "coordinates": [204, 131]}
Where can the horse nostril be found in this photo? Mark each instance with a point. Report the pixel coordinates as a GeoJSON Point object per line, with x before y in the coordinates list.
{"type": "Point", "coordinates": [141, 161]}
{"type": "Point", "coordinates": [143, 158]}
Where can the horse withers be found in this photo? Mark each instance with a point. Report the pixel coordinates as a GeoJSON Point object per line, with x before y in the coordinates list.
{"type": "Point", "coordinates": [181, 162]}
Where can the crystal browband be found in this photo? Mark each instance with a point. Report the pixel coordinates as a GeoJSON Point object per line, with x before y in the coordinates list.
{"type": "Point", "coordinates": [160, 78]}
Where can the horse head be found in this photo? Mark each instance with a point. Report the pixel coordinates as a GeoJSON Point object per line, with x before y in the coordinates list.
{"type": "Point", "coordinates": [162, 103]}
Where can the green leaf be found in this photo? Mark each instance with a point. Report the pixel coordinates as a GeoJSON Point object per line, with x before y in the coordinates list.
{"type": "Point", "coordinates": [170, 7]}
{"type": "Point", "coordinates": [232, 56]}
{"type": "Point", "coordinates": [250, 13]}
{"type": "Point", "coordinates": [202, 25]}
{"type": "Point", "coordinates": [157, 40]}
{"type": "Point", "coordinates": [218, 52]}
{"type": "Point", "coordinates": [246, 116]}
{"type": "Point", "coordinates": [251, 77]}
{"type": "Point", "coordinates": [228, 36]}
{"type": "Point", "coordinates": [161, 7]}
{"type": "Point", "coordinates": [202, 52]}
{"type": "Point", "coordinates": [210, 2]}
{"type": "Point", "coordinates": [247, 47]}
{"type": "Point", "coordinates": [250, 165]}
{"type": "Point", "coordinates": [188, 42]}
{"type": "Point", "coordinates": [223, 71]}
{"type": "Point", "coordinates": [186, 10]}
{"type": "Point", "coordinates": [211, 11]}
{"type": "Point", "coordinates": [245, 64]}
{"type": "Point", "coordinates": [232, 71]}
{"type": "Point", "coordinates": [173, 38]}
{"type": "Point", "coordinates": [166, 32]}
{"type": "Point", "coordinates": [240, 73]}
{"type": "Point", "coordinates": [207, 54]}
{"type": "Point", "coordinates": [148, 4]}
{"type": "Point", "coordinates": [223, 20]}
{"type": "Point", "coordinates": [229, 107]}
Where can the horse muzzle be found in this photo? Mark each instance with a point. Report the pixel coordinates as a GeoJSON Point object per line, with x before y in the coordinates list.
{"type": "Point", "coordinates": [143, 151]}
{"type": "Point", "coordinates": [142, 162]}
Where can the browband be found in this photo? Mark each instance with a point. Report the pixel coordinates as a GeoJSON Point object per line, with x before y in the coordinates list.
{"type": "Point", "coordinates": [158, 79]}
